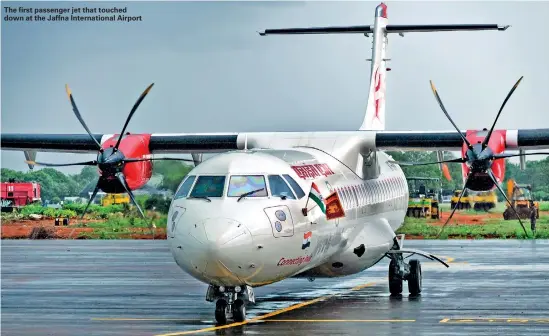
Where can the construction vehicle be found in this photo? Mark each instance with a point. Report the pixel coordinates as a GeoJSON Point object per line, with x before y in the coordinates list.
{"type": "Point", "coordinates": [464, 203]}
{"type": "Point", "coordinates": [111, 199]}
{"type": "Point", "coordinates": [520, 196]}
{"type": "Point", "coordinates": [14, 195]}
{"type": "Point", "coordinates": [423, 202]}
{"type": "Point", "coordinates": [485, 200]}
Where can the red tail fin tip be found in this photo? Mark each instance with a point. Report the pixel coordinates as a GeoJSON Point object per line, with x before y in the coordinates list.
{"type": "Point", "coordinates": [381, 10]}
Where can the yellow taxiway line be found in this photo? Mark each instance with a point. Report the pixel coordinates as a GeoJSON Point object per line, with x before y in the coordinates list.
{"type": "Point", "coordinates": [266, 316]}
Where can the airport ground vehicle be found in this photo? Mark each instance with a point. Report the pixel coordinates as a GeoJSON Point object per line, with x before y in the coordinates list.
{"type": "Point", "coordinates": [520, 196]}
{"type": "Point", "coordinates": [423, 202]}
{"type": "Point", "coordinates": [18, 194]}
{"type": "Point", "coordinates": [485, 200]}
{"type": "Point", "coordinates": [464, 203]}
{"type": "Point", "coordinates": [110, 199]}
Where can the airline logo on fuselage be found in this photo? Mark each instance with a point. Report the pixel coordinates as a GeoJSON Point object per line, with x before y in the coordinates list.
{"type": "Point", "coordinates": [295, 261]}
{"type": "Point", "coordinates": [312, 171]}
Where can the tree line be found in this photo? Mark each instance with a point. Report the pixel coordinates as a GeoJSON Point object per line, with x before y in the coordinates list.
{"type": "Point", "coordinates": [56, 185]}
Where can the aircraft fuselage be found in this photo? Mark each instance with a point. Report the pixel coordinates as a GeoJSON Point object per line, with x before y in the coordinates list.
{"type": "Point", "coordinates": [265, 237]}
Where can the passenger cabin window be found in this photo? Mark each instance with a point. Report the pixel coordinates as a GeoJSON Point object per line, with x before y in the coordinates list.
{"type": "Point", "coordinates": [279, 187]}
{"type": "Point", "coordinates": [241, 184]}
{"type": "Point", "coordinates": [297, 189]}
{"type": "Point", "coordinates": [208, 186]}
{"type": "Point", "coordinates": [342, 197]}
{"type": "Point", "coordinates": [347, 197]}
{"type": "Point", "coordinates": [185, 187]}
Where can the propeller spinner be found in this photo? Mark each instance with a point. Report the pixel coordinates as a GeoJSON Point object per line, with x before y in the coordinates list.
{"type": "Point", "coordinates": [111, 160]}
{"type": "Point", "coordinates": [478, 157]}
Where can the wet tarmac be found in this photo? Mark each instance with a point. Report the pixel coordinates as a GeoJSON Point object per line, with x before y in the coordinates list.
{"type": "Point", "coordinates": [135, 288]}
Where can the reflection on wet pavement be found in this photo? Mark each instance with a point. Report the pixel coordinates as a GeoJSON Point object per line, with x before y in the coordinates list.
{"type": "Point", "coordinates": [135, 287]}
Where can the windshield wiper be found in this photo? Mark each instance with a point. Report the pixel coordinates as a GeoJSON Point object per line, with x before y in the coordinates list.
{"type": "Point", "coordinates": [202, 197]}
{"type": "Point", "coordinates": [249, 193]}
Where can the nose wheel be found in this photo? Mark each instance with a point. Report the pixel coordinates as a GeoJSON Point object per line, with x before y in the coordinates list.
{"type": "Point", "coordinates": [221, 311]}
{"type": "Point", "coordinates": [231, 302]}
{"type": "Point", "coordinates": [239, 310]}
{"type": "Point", "coordinates": [224, 311]}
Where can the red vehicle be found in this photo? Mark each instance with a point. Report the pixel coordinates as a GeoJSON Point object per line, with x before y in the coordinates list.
{"type": "Point", "coordinates": [18, 194]}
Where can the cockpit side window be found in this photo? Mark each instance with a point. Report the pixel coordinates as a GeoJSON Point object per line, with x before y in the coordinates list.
{"type": "Point", "coordinates": [279, 187]}
{"type": "Point", "coordinates": [297, 189]}
{"type": "Point", "coordinates": [241, 184]}
{"type": "Point", "coordinates": [185, 187]}
{"type": "Point", "coordinates": [208, 186]}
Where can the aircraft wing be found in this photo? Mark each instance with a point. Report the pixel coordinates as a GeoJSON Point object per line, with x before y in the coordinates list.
{"type": "Point", "coordinates": [182, 143]}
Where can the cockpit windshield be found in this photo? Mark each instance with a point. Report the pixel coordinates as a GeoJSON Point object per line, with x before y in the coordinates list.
{"type": "Point", "coordinates": [279, 187]}
{"type": "Point", "coordinates": [208, 186]}
{"type": "Point", "coordinates": [185, 187]}
{"type": "Point", "coordinates": [242, 184]}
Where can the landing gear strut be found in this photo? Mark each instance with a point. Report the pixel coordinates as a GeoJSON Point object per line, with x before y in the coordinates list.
{"type": "Point", "coordinates": [231, 302]}
{"type": "Point", "coordinates": [399, 271]}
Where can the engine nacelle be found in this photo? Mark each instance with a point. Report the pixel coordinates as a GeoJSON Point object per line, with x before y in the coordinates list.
{"type": "Point", "coordinates": [482, 182]}
{"type": "Point", "coordinates": [137, 173]}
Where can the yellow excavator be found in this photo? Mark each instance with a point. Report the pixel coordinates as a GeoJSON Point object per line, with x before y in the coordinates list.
{"type": "Point", "coordinates": [520, 196]}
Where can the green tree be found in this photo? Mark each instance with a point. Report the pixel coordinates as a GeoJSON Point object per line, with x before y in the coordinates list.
{"type": "Point", "coordinates": [172, 173]}
{"type": "Point", "coordinates": [86, 176]}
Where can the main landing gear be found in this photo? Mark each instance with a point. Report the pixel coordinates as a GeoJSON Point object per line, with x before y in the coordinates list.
{"type": "Point", "coordinates": [231, 302]}
{"type": "Point", "coordinates": [399, 270]}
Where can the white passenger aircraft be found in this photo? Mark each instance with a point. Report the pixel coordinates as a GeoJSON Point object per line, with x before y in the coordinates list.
{"type": "Point", "coordinates": [270, 206]}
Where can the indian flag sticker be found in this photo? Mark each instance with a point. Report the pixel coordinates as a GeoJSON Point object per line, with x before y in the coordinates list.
{"type": "Point", "coordinates": [306, 240]}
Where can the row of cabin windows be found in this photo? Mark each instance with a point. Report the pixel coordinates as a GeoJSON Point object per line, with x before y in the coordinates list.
{"type": "Point", "coordinates": [252, 185]}
{"type": "Point", "coordinates": [370, 192]}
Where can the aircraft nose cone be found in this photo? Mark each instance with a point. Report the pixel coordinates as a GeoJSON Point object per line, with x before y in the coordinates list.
{"type": "Point", "coordinates": [222, 251]}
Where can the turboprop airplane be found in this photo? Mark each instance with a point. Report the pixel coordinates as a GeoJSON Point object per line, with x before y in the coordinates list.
{"type": "Point", "coordinates": [275, 205]}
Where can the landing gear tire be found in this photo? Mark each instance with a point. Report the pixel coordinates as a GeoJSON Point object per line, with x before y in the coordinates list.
{"type": "Point", "coordinates": [221, 311]}
{"type": "Point", "coordinates": [395, 282]}
{"type": "Point", "coordinates": [415, 277]}
{"type": "Point", "coordinates": [239, 311]}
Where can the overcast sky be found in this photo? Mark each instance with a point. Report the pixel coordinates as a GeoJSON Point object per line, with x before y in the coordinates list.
{"type": "Point", "coordinates": [214, 73]}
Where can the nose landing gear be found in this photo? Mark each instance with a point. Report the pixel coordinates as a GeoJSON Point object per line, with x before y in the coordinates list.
{"type": "Point", "coordinates": [231, 302]}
